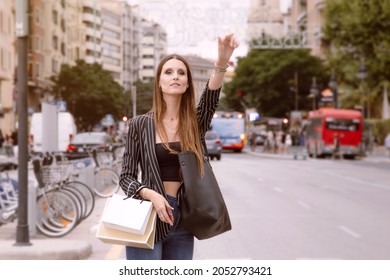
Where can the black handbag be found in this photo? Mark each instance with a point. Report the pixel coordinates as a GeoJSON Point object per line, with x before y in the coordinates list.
{"type": "Point", "coordinates": [203, 211]}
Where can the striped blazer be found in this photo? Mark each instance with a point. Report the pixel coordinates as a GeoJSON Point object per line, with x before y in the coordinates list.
{"type": "Point", "coordinates": [140, 152]}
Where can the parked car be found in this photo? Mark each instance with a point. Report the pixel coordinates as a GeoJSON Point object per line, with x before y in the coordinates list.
{"type": "Point", "coordinates": [213, 144]}
{"type": "Point", "coordinates": [258, 138]}
{"type": "Point", "coordinates": [85, 141]}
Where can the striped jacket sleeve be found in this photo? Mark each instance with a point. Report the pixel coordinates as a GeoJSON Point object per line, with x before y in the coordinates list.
{"type": "Point", "coordinates": [129, 175]}
{"type": "Point", "coordinates": [206, 108]}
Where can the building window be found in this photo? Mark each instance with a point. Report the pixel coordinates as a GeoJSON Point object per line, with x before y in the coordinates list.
{"type": "Point", "coordinates": [63, 51]}
{"type": "Point", "coordinates": [55, 42]}
{"type": "Point", "coordinates": [54, 66]}
{"type": "Point", "coordinates": [55, 17]}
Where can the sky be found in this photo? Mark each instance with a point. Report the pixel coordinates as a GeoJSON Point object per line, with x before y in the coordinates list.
{"type": "Point", "coordinates": [193, 26]}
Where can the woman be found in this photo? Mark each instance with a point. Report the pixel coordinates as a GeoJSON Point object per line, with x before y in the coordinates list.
{"type": "Point", "coordinates": [174, 124]}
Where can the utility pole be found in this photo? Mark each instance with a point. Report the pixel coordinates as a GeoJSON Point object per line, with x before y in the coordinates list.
{"type": "Point", "coordinates": [22, 230]}
{"type": "Point", "coordinates": [296, 89]}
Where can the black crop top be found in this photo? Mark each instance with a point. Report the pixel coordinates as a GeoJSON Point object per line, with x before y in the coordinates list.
{"type": "Point", "coordinates": [168, 162]}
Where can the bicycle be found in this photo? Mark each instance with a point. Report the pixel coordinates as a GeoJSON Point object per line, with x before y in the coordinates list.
{"type": "Point", "coordinates": [61, 203]}
{"type": "Point", "coordinates": [117, 156]}
{"type": "Point", "coordinates": [106, 179]}
{"type": "Point", "coordinates": [8, 195]}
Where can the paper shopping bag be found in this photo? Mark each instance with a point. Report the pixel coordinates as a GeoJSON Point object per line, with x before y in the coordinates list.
{"type": "Point", "coordinates": [113, 236]}
{"type": "Point", "coordinates": [127, 214]}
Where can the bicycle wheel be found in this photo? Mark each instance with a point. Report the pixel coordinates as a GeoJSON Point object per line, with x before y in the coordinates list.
{"type": "Point", "coordinates": [117, 166]}
{"type": "Point", "coordinates": [79, 199]}
{"type": "Point", "coordinates": [106, 182]}
{"type": "Point", "coordinates": [87, 193]}
{"type": "Point", "coordinates": [56, 213]}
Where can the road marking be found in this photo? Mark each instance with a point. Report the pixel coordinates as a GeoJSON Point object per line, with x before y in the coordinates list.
{"type": "Point", "coordinates": [114, 253]}
{"type": "Point", "coordinates": [303, 204]}
{"type": "Point", "coordinates": [363, 182]}
{"type": "Point", "coordinates": [349, 231]}
{"type": "Point", "coordinates": [278, 189]}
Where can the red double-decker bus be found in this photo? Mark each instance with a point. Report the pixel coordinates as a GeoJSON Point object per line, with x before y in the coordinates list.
{"type": "Point", "coordinates": [329, 129]}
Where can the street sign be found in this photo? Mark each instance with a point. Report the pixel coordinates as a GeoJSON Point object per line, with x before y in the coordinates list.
{"type": "Point", "coordinates": [108, 120]}
{"type": "Point", "coordinates": [62, 106]}
{"type": "Point", "coordinates": [21, 25]}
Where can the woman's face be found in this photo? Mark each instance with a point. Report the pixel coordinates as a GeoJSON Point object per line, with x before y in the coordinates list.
{"type": "Point", "coordinates": [173, 78]}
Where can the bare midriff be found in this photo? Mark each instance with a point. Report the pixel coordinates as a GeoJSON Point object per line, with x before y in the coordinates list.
{"type": "Point", "coordinates": [171, 188]}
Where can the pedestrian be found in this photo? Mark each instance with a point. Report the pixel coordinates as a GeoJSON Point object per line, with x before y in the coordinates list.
{"type": "Point", "coordinates": [1, 138]}
{"type": "Point", "coordinates": [387, 143]}
{"type": "Point", "coordinates": [336, 147]}
{"type": "Point", "coordinates": [154, 139]}
{"type": "Point", "coordinates": [288, 143]}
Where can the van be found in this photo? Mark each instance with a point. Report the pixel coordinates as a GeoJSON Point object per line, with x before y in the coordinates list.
{"type": "Point", "coordinates": [66, 130]}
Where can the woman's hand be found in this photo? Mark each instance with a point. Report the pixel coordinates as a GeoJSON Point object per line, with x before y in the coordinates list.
{"type": "Point", "coordinates": [226, 46]}
{"type": "Point", "coordinates": [163, 209]}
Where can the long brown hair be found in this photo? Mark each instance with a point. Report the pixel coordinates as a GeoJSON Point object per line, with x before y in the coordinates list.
{"type": "Point", "coordinates": [188, 128]}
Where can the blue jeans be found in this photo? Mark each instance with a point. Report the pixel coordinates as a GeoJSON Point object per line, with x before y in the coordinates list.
{"type": "Point", "coordinates": [177, 245]}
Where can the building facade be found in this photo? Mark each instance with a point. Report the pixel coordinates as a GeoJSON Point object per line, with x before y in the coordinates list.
{"type": "Point", "coordinates": [304, 18]}
{"type": "Point", "coordinates": [7, 67]}
{"type": "Point", "coordinates": [61, 32]}
{"type": "Point", "coordinates": [265, 18]}
{"type": "Point", "coordinates": [153, 49]}
{"type": "Point", "coordinates": [307, 17]}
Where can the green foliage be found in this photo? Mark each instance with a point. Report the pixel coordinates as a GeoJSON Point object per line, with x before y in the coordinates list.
{"type": "Point", "coordinates": [266, 80]}
{"type": "Point", "coordinates": [380, 128]}
{"type": "Point", "coordinates": [355, 30]}
{"type": "Point", "coordinates": [90, 93]}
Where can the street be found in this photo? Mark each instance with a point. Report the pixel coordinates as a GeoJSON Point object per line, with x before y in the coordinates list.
{"type": "Point", "coordinates": [285, 209]}
{"type": "Point", "coordinates": [295, 209]}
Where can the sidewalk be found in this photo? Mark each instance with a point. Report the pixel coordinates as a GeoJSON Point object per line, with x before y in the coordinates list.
{"type": "Point", "coordinates": [42, 247]}
{"type": "Point", "coordinates": [69, 247]}
{"type": "Point", "coordinates": [378, 155]}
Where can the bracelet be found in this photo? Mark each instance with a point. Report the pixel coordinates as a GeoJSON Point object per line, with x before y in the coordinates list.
{"type": "Point", "coordinates": [220, 69]}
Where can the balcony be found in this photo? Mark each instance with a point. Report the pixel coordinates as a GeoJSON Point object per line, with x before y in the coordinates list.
{"type": "Point", "coordinates": [93, 33]}
{"type": "Point", "coordinates": [93, 46]}
{"type": "Point", "coordinates": [302, 2]}
{"type": "Point", "coordinates": [320, 4]}
{"type": "Point", "coordinates": [92, 19]}
{"type": "Point", "coordinates": [302, 19]}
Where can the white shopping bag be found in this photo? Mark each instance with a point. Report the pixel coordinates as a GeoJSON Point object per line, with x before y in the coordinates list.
{"type": "Point", "coordinates": [127, 214]}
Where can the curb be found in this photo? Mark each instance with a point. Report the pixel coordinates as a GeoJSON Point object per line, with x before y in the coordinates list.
{"type": "Point", "coordinates": [46, 249]}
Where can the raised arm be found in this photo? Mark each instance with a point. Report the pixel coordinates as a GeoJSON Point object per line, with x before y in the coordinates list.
{"type": "Point", "coordinates": [226, 46]}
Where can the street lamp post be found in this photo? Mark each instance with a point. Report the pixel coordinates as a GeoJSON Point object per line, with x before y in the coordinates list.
{"type": "Point", "coordinates": [314, 92]}
{"type": "Point", "coordinates": [362, 75]}
{"type": "Point", "coordinates": [333, 86]}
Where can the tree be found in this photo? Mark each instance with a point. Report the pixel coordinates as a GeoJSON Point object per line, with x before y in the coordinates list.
{"type": "Point", "coordinates": [144, 96]}
{"type": "Point", "coordinates": [266, 80]}
{"type": "Point", "coordinates": [356, 30]}
{"type": "Point", "coordinates": [90, 91]}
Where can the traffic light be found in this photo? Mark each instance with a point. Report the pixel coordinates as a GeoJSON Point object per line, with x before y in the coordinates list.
{"type": "Point", "coordinates": [285, 124]}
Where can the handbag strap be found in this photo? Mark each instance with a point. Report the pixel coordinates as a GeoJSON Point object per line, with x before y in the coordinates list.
{"type": "Point", "coordinates": [204, 148]}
